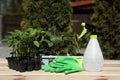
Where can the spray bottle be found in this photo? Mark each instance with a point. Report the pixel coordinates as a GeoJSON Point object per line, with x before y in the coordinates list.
{"type": "Point", "coordinates": [93, 57]}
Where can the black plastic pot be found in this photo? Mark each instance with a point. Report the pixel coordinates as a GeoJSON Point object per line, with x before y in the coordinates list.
{"type": "Point", "coordinates": [10, 62]}
{"type": "Point", "coordinates": [30, 64]}
{"type": "Point", "coordinates": [37, 64]}
{"type": "Point", "coordinates": [22, 65]}
{"type": "Point", "coordinates": [14, 62]}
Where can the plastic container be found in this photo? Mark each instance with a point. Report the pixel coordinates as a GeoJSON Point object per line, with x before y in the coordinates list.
{"type": "Point", "coordinates": [93, 57]}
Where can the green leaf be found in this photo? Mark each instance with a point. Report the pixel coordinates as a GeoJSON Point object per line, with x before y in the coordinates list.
{"type": "Point", "coordinates": [36, 43]}
{"type": "Point", "coordinates": [15, 42]}
{"type": "Point", "coordinates": [9, 43]}
{"type": "Point", "coordinates": [56, 38]}
{"type": "Point", "coordinates": [50, 44]}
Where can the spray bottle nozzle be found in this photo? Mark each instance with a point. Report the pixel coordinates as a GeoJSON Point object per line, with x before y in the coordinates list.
{"type": "Point", "coordinates": [88, 27]}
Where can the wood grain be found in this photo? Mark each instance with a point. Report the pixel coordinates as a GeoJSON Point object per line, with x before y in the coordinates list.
{"type": "Point", "coordinates": [110, 71]}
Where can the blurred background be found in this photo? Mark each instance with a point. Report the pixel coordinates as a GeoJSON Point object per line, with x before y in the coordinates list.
{"type": "Point", "coordinates": [11, 14]}
{"type": "Point", "coordinates": [104, 14]}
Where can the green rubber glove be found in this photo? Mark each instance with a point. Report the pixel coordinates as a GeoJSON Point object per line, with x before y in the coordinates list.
{"type": "Point", "coordinates": [75, 67]}
{"type": "Point", "coordinates": [66, 64]}
{"type": "Point", "coordinates": [48, 68]}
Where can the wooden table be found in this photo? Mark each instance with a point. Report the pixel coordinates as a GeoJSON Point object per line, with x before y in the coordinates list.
{"type": "Point", "coordinates": [110, 71]}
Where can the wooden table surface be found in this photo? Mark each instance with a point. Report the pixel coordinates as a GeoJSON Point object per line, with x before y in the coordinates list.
{"type": "Point", "coordinates": [110, 71]}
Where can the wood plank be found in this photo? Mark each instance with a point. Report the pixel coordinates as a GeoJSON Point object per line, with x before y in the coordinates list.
{"type": "Point", "coordinates": [110, 71]}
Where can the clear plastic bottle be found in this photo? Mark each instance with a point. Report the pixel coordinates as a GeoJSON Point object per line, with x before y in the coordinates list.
{"type": "Point", "coordinates": [93, 57]}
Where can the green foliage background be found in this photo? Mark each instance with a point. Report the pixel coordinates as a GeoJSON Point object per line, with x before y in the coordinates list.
{"type": "Point", "coordinates": [107, 20]}
{"type": "Point", "coordinates": [52, 15]}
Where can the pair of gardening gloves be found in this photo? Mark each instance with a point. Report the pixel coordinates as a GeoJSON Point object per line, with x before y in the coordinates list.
{"type": "Point", "coordinates": [66, 64]}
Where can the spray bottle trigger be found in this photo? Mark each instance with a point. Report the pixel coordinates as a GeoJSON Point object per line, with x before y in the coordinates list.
{"type": "Point", "coordinates": [83, 24]}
